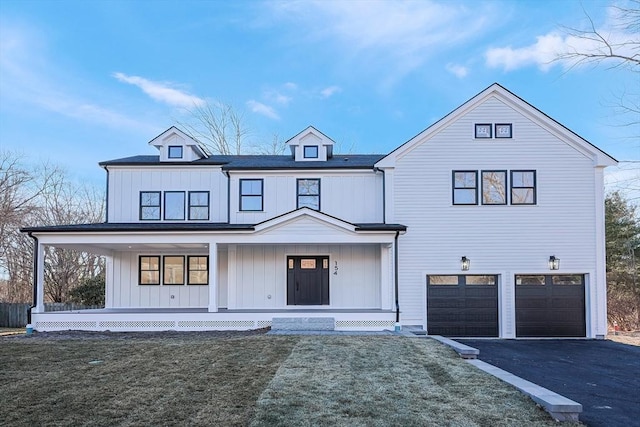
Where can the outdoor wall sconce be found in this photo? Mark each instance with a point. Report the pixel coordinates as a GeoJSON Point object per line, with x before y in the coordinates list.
{"type": "Point", "coordinates": [465, 263]}
{"type": "Point", "coordinates": [554, 263]}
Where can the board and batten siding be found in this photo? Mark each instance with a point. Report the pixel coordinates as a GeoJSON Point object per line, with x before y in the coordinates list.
{"type": "Point", "coordinates": [354, 196]}
{"type": "Point", "coordinates": [260, 275]}
{"type": "Point", "coordinates": [505, 239]}
{"type": "Point", "coordinates": [123, 290]}
{"type": "Point", "coordinates": [126, 183]}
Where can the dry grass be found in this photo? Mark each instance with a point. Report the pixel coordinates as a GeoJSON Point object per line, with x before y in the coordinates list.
{"type": "Point", "coordinates": [200, 379]}
{"type": "Point", "coordinates": [630, 338]}
{"type": "Point", "coordinates": [376, 381]}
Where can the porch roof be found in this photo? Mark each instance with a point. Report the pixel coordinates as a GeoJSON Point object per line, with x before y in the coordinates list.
{"type": "Point", "coordinates": [155, 227]}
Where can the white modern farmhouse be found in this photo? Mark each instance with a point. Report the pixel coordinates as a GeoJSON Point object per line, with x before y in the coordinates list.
{"type": "Point", "coordinates": [488, 223]}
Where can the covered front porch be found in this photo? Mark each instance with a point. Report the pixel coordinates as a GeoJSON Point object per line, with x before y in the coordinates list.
{"type": "Point", "coordinates": [222, 277]}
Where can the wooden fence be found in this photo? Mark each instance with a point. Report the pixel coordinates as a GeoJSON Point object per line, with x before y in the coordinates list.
{"type": "Point", "coordinates": [14, 315]}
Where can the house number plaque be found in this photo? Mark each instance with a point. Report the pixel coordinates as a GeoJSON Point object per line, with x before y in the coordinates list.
{"type": "Point", "coordinates": [335, 268]}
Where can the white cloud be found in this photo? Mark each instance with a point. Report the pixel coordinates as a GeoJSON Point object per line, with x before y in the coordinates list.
{"type": "Point", "coordinates": [30, 79]}
{"type": "Point", "coordinates": [396, 37]}
{"type": "Point", "coordinates": [277, 97]}
{"type": "Point", "coordinates": [548, 47]}
{"type": "Point", "coordinates": [260, 108]}
{"type": "Point", "coordinates": [329, 91]}
{"type": "Point", "coordinates": [161, 91]}
{"type": "Point", "coordinates": [457, 70]}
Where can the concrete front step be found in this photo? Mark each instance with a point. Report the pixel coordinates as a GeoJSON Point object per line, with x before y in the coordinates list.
{"type": "Point", "coordinates": [303, 324]}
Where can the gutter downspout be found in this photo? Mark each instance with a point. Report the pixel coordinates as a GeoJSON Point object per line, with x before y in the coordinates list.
{"type": "Point", "coordinates": [35, 278]}
{"type": "Point", "coordinates": [395, 255]}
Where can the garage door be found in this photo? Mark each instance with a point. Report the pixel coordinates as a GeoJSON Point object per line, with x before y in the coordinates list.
{"type": "Point", "coordinates": [550, 306]}
{"type": "Point", "coordinates": [462, 305]}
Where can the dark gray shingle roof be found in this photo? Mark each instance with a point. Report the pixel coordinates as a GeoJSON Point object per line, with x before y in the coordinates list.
{"type": "Point", "coordinates": [248, 162]}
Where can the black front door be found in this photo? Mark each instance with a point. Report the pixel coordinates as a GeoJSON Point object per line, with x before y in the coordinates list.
{"type": "Point", "coordinates": [308, 280]}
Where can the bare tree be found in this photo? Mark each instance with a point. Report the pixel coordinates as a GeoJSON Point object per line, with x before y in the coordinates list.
{"type": "Point", "coordinates": [274, 147]}
{"type": "Point", "coordinates": [616, 47]}
{"type": "Point", "coordinates": [42, 196]}
{"type": "Point", "coordinates": [218, 126]}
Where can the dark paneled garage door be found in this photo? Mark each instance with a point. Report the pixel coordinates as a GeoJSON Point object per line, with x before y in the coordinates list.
{"type": "Point", "coordinates": [550, 306]}
{"type": "Point", "coordinates": [462, 305]}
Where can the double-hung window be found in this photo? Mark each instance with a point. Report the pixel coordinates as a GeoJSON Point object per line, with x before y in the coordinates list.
{"type": "Point", "coordinates": [174, 205]}
{"type": "Point", "coordinates": [149, 273]}
{"type": "Point", "coordinates": [494, 187]}
{"type": "Point", "coordinates": [523, 187]}
{"type": "Point", "coordinates": [149, 205]}
{"type": "Point", "coordinates": [198, 205]}
{"type": "Point", "coordinates": [251, 194]}
{"type": "Point", "coordinates": [465, 187]}
{"type": "Point", "coordinates": [198, 270]}
{"type": "Point", "coordinates": [309, 193]}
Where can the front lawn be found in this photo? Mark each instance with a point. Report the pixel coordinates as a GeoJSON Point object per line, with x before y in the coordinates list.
{"type": "Point", "coordinates": [259, 380]}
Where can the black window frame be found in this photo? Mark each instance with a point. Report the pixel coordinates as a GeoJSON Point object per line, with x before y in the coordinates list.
{"type": "Point", "coordinates": [184, 199]}
{"type": "Point", "coordinates": [140, 271]}
{"type": "Point", "coordinates": [498, 136]}
{"type": "Point", "coordinates": [505, 187]}
{"type": "Point", "coordinates": [170, 147]}
{"type": "Point", "coordinates": [242, 196]}
{"type": "Point", "coordinates": [304, 151]}
{"type": "Point", "coordinates": [454, 188]}
{"type": "Point", "coordinates": [164, 266]}
{"type": "Point", "coordinates": [307, 195]}
{"type": "Point", "coordinates": [159, 206]}
{"type": "Point", "coordinates": [480, 136]}
{"type": "Point", "coordinates": [534, 188]}
{"type": "Point", "coordinates": [188, 268]}
{"type": "Point", "coordinates": [190, 205]}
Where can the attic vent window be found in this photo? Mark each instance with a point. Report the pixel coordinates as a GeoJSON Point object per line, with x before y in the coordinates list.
{"type": "Point", "coordinates": [310, 151]}
{"type": "Point", "coordinates": [175, 151]}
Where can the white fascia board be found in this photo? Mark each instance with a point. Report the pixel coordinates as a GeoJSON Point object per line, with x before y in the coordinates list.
{"type": "Point", "coordinates": [599, 157]}
{"type": "Point", "coordinates": [300, 172]}
{"type": "Point", "coordinates": [287, 218]}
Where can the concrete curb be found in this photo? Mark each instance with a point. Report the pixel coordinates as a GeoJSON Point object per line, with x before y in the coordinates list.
{"type": "Point", "coordinates": [560, 407]}
{"type": "Point", "coordinates": [463, 350]}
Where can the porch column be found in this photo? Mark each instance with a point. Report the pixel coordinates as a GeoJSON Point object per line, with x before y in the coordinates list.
{"type": "Point", "coordinates": [213, 277]}
{"type": "Point", "coordinates": [39, 277]}
{"type": "Point", "coordinates": [386, 276]}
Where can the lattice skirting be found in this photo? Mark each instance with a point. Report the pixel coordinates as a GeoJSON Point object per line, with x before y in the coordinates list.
{"type": "Point", "coordinates": [365, 324]}
{"type": "Point", "coordinates": [186, 325]}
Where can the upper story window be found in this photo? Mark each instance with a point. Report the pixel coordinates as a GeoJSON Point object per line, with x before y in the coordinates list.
{"type": "Point", "coordinates": [174, 205]}
{"type": "Point", "coordinates": [494, 187]}
{"type": "Point", "coordinates": [483, 130]}
{"type": "Point", "coordinates": [310, 151]}
{"type": "Point", "coordinates": [198, 205]}
{"type": "Point", "coordinates": [149, 205]}
{"type": "Point", "coordinates": [309, 193]}
{"type": "Point", "coordinates": [251, 194]}
{"type": "Point", "coordinates": [503, 130]}
{"type": "Point", "coordinates": [523, 187]}
{"type": "Point", "coordinates": [175, 152]}
{"type": "Point", "coordinates": [465, 187]}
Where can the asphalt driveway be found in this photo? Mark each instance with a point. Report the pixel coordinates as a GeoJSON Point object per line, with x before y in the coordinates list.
{"type": "Point", "coordinates": [603, 376]}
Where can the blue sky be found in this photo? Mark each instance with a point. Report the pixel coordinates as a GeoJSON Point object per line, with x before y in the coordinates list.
{"type": "Point", "coordinates": [86, 81]}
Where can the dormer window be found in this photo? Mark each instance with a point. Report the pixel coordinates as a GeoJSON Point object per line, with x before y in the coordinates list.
{"type": "Point", "coordinates": [310, 151]}
{"type": "Point", "coordinates": [175, 152]}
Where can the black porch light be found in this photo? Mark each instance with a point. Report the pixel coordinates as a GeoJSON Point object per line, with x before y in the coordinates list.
{"type": "Point", "coordinates": [554, 263]}
{"type": "Point", "coordinates": [465, 263]}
